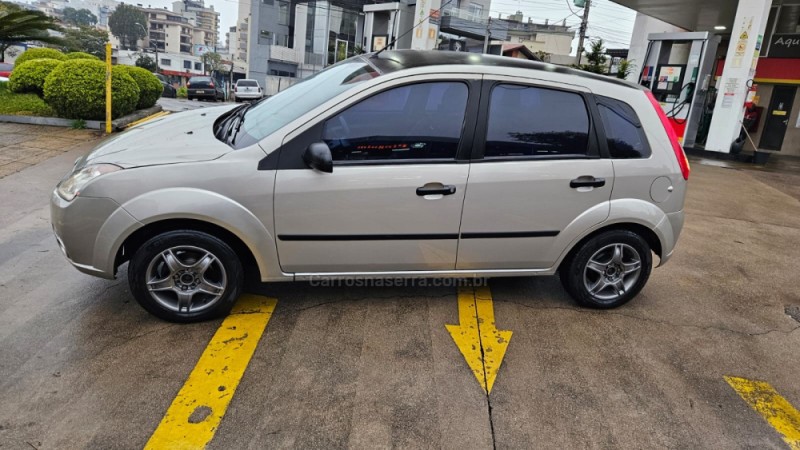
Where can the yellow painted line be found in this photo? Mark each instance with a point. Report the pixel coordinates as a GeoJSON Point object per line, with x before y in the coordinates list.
{"type": "Point", "coordinates": [147, 119]}
{"type": "Point", "coordinates": [776, 410]}
{"type": "Point", "coordinates": [481, 343]}
{"type": "Point", "coordinates": [195, 414]}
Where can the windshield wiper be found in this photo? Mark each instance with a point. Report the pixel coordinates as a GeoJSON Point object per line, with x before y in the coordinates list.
{"type": "Point", "coordinates": [240, 115]}
{"type": "Point", "coordinates": [232, 124]}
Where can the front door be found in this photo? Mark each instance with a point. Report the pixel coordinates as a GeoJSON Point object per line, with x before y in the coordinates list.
{"type": "Point", "coordinates": [539, 173]}
{"type": "Point", "coordinates": [780, 108]}
{"type": "Point", "coordinates": [393, 200]}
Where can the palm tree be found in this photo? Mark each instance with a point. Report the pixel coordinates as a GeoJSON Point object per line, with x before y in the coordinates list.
{"type": "Point", "coordinates": [21, 25]}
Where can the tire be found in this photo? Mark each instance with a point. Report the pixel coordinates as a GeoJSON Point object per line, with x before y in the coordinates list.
{"type": "Point", "coordinates": [186, 292]}
{"type": "Point", "coordinates": [619, 281]}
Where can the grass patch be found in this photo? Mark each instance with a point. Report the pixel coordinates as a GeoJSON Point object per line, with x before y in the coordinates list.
{"type": "Point", "coordinates": [22, 104]}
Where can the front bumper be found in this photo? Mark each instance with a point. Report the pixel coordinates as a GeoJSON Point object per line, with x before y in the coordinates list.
{"type": "Point", "coordinates": [89, 231]}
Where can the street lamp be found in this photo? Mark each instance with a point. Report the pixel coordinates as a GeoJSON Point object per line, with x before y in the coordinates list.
{"type": "Point", "coordinates": [155, 48]}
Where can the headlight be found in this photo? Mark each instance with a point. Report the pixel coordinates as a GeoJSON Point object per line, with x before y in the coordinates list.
{"type": "Point", "coordinates": [70, 187]}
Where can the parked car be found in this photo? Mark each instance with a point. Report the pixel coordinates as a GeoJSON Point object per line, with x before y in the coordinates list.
{"type": "Point", "coordinates": [396, 164]}
{"type": "Point", "coordinates": [169, 90]}
{"type": "Point", "coordinates": [5, 70]}
{"type": "Point", "coordinates": [247, 90]}
{"type": "Point", "coordinates": [204, 88]}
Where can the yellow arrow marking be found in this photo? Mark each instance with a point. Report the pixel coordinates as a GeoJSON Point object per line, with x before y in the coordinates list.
{"type": "Point", "coordinates": [476, 335]}
{"type": "Point", "coordinates": [196, 412]}
{"type": "Point", "coordinates": [776, 410]}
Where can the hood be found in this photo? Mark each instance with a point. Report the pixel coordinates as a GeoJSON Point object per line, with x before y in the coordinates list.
{"type": "Point", "coordinates": [177, 138]}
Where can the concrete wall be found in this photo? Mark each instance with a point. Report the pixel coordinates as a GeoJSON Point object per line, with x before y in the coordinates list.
{"type": "Point", "coordinates": [791, 141]}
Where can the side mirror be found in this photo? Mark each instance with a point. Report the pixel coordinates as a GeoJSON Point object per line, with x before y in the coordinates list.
{"type": "Point", "coordinates": [318, 157]}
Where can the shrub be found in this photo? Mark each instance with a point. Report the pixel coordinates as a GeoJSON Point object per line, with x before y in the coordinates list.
{"type": "Point", "coordinates": [30, 75]}
{"type": "Point", "coordinates": [149, 86]}
{"type": "Point", "coordinates": [22, 104]}
{"type": "Point", "coordinates": [76, 90]}
{"type": "Point", "coordinates": [183, 92]}
{"type": "Point", "coordinates": [80, 55]}
{"type": "Point", "coordinates": [38, 53]}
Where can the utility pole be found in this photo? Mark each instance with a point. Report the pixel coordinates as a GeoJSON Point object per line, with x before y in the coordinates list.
{"type": "Point", "coordinates": [584, 26]}
{"type": "Point", "coordinates": [488, 35]}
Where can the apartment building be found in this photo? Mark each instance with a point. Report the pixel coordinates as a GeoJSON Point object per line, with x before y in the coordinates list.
{"type": "Point", "coordinates": [553, 39]}
{"type": "Point", "coordinates": [204, 19]}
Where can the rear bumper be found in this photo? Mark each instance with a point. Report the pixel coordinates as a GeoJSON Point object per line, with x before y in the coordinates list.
{"type": "Point", "coordinates": [675, 223]}
{"type": "Point", "coordinates": [247, 95]}
{"type": "Point", "coordinates": [202, 93]}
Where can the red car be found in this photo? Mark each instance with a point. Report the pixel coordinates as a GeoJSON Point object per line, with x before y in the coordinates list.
{"type": "Point", "coordinates": [5, 69]}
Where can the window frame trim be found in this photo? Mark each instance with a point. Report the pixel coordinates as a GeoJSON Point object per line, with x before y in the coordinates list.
{"type": "Point", "coordinates": [289, 158]}
{"type": "Point", "coordinates": [595, 146]}
{"type": "Point", "coordinates": [601, 130]}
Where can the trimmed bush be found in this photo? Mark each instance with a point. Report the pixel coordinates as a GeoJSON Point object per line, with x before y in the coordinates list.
{"type": "Point", "coordinates": [80, 55]}
{"type": "Point", "coordinates": [38, 53]}
{"type": "Point", "coordinates": [149, 86]}
{"type": "Point", "coordinates": [76, 90]}
{"type": "Point", "coordinates": [30, 75]}
{"type": "Point", "coordinates": [182, 92]}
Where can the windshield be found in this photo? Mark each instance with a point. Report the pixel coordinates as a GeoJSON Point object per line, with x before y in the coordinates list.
{"type": "Point", "coordinates": [247, 83]}
{"type": "Point", "coordinates": [273, 113]}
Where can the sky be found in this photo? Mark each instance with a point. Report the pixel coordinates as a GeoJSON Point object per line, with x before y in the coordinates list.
{"type": "Point", "coordinates": [607, 20]}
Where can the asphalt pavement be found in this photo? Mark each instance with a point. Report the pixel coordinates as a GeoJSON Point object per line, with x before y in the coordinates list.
{"type": "Point", "coordinates": [83, 366]}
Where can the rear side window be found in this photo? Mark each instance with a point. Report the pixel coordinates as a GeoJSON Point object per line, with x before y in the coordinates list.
{"type": "Point", "coordinates": [533, 121]}
{"type": "Point", "coordinates": [624, 133]}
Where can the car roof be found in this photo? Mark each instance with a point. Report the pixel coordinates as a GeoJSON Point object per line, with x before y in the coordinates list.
{"type": "Point", "coordinates": [394, 60]}
{"type": "Point", "coordinates": [247, 79]}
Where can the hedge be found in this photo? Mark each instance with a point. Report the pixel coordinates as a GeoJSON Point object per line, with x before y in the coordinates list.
{"type": "Point", "coordinates": [149, 86]}
{"type": "Point", "coordinates": [76, 90]}
{"type": "Point", "coordinates": [80, 55]}
{"type": "Point", "coordinates": [30, 75]}
{"type": "Point", "coordinates": [38, 53]}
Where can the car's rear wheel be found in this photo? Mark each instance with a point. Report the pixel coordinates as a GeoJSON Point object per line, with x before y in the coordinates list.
{"type": "Point", "coordinates": [185, 276]}
{"type": "Point", "coordinates": [608, 270]}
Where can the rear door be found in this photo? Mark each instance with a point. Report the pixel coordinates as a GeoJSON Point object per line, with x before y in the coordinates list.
{"type": "Point", "coordinates": [393, 200]}
{"type": "Point", "coordinates": [536, 172]}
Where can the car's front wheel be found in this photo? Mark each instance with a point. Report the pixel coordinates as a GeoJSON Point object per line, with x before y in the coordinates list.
{"type": "Point", "coordinates": [608, 270]}
{"type": "Point", "coordinates": [185, 276]}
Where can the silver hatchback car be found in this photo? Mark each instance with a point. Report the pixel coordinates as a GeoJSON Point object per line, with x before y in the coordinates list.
{"type": "Point", "coordinates": [396, 164]}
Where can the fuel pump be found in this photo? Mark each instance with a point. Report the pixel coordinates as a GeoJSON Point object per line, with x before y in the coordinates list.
{"type": "Point", "coordinates": [677, 69]}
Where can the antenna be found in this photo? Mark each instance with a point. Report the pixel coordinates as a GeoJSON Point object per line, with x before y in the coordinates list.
{"type": "Point", "coordinates": [412, 28]}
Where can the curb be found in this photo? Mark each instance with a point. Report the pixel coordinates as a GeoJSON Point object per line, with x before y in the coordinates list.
{"type": "Point", "coordinates": [116, 125]}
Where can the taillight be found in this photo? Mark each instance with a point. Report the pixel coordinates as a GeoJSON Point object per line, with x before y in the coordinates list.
{"type": "Point", "coordinates": [673, 138]}
{"type": "Point", "coordinates": [211, 85]}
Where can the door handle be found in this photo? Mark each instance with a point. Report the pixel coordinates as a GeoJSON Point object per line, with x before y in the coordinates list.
{"type": "Point", "coordinates": [447, 189]}
{"type": "Point", "coordinates": [587, 181]}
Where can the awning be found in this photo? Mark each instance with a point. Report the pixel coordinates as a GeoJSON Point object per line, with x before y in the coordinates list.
{"type": "Point", "coordinates": [692, 15]}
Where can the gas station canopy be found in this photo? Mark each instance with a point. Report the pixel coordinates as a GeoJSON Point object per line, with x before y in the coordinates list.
{"type": "Point", "coordinates": [692, 15]}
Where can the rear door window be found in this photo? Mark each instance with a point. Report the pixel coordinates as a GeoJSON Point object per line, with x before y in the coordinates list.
{"type": "Point", "coordinates": [526, 121]}
{"type": "Point", "coordinates": [624, 133]}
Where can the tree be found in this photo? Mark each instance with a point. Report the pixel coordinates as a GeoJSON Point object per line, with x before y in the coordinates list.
{"type": "Point", "coordinates": [596, 56]}
{"type": "Point", "coordinates": [128, 23]}
{"type": "Point", "coordinates": [213, 62]}
{"type": "Point", "coordinates": [146, 62]}
{"type": "Point", "coordinates": [22, 25]}
{"type": "Point", "coordinates": [79, 17]}
{"type": "Point", "coordinates": [624, 68]}
{"type": "Point", "coordinates": [542, 55]}
{"type": "Point", "coordinates": [86, 39]}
